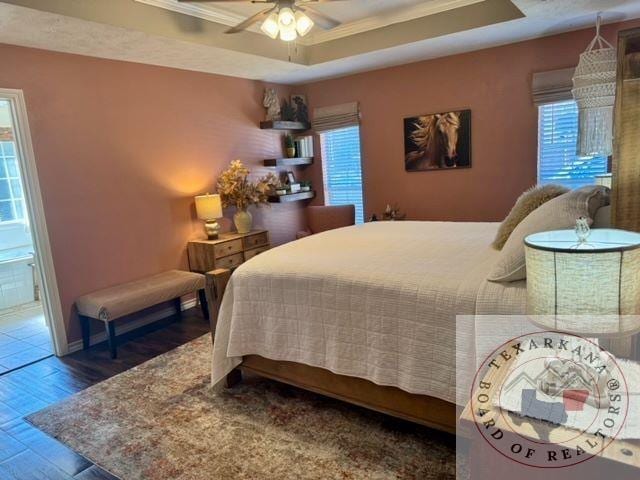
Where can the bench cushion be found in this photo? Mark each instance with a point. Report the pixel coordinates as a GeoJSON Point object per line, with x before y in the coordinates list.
{"type": "Point", "coordinates": [120, 300]}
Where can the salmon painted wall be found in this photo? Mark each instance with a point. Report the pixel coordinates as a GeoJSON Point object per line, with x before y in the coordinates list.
{"type": "Point", "coordinates": [121, 149]}
{"type": "Point", "coordinates": [495, 84]}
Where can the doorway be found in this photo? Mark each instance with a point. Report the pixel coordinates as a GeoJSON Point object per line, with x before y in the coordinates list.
{"type": "Point", "coordinates": [29, 320]}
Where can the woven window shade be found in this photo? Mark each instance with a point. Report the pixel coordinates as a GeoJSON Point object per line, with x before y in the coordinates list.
{"type": "Point", "coordinates": [336, 117]}
{"type": "Point", "coordinates": [552, 86]}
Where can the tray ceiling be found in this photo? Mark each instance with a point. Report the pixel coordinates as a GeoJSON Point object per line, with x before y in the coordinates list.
{"type": "Point", "coordinates": [376, 33]}
{"type": "Point", "coordinates": [356, 16]}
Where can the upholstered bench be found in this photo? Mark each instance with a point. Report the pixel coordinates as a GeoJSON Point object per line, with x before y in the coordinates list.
{"type": "Point", "coordinates": [115, 302]}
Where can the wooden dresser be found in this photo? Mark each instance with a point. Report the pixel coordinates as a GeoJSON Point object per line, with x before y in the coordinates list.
{"type": "Point", "coordinates": [229, 251]}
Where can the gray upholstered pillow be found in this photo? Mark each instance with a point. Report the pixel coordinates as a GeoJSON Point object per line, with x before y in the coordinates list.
{"type": "Point", "coordinates": [559, 213]}
{"type": "Point", "coordinates": [525, 204]}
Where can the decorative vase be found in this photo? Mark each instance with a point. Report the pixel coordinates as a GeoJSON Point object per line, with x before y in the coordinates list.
{"type": "Point", "coordinates": [291, 152]}
{"type": "Point", "coordinates": [243, 221]}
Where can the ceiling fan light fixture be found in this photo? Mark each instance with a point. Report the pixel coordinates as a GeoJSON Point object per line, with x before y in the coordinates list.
{"type": "Point", "coordinates": [288, 34]}
{"type": "Point", "coordinates": [270, 26]}
{"type": "Point", "coordinates": [286, 18]}
{"type": "Point", "coordinates": [303, 23]}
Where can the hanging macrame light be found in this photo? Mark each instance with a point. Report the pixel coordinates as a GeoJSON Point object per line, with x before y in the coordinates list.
{"type": "Point", "coordinates": [594, 90]}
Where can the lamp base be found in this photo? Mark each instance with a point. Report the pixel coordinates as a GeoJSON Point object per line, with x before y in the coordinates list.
{"type": "Point", "coordinates": [212, 228]}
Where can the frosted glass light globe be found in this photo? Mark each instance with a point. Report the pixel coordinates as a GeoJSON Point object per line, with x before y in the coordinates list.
{"type": "Point", "coordinates": [270, 26]}
{"type": "Point", "coordinates": [286, 18]}
{"type": "Point", "coordinates": [303, 23]}
{"type": "Point", "coordinates": [288, 35]}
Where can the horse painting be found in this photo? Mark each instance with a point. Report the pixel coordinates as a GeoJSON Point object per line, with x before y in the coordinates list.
{"type": "Point", "coordinates": [438, 141]}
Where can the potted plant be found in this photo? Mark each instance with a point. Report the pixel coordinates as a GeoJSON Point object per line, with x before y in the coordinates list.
{"type": "Point", "coordinates": [289, 145]}
{"type": "Point", "coordinates": [237, 190]}
{"type": "Point", "coordinates": [305, 186]}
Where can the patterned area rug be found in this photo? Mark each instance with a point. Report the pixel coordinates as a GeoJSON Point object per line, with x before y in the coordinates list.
{"type": "Point", "coordinates": [162, 420]}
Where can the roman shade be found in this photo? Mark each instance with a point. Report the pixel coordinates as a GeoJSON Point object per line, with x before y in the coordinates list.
{"type": "Point", "coordinates": [552, 86]}
{"type": "Point", "coordinates": [336, 117]}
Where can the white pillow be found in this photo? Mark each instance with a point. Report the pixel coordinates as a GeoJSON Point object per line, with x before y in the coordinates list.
{"type": "Point", "coordinates": [557, 214]}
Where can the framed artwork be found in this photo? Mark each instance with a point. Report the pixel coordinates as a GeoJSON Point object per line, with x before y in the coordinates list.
{"type": "Point", "coordinates": [299, 105]}
{"type": "Point", "coordinates": [437, 141]}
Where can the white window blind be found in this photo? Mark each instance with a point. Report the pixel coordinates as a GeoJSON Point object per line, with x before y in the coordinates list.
{"type": "Point", "coordinates": [557, 159]}
{"type": "Point", "coordinates": [342, 168]}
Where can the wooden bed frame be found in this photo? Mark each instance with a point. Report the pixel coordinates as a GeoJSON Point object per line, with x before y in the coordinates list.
{"type": "Point", "coordinates": [425, 410]}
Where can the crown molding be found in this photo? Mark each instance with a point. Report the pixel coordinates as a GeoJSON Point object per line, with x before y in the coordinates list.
{"type": "Point", "coordinates": [384, 20]}
{"type": "Point", "coordinates": [215, 13]}
{"type": "Point", "coordinates": [210, 12]}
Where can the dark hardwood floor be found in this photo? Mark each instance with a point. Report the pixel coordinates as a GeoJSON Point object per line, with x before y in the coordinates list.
{"type": "Point", "coordinates": [25, 452]}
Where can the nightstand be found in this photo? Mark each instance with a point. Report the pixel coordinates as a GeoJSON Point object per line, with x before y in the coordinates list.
{"type": "Point", "coordinates": [229, 251]}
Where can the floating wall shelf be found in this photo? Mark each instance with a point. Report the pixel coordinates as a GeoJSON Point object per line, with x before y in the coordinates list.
{"type": "Point", "coordinates": [292, 197]}
{"type": "Point", "coordinates": [288, 162]}
{"type": "Point", "coordinates": [282, 125]}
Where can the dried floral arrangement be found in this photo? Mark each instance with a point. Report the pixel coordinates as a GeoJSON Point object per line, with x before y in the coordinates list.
{"type": "Point", "coordinates": [237, 190]}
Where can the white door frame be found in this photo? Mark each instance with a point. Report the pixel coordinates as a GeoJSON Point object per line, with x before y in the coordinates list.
{"type": "Point", "coordinates": [33, 198]}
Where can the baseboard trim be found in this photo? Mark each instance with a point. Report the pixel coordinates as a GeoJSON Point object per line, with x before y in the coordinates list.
{"type": "Point", "coordinates": [140, 322]}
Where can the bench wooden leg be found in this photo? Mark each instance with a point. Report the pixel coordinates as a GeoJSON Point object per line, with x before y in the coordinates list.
{"type": "Point", "coordinates": [85, 324]}
{"type": "Point", "coordinates": [203, 303]}
{"type": "Point", "coordinates": [111, 338]}
{"type": "Point", "coordinates": [178, 306]}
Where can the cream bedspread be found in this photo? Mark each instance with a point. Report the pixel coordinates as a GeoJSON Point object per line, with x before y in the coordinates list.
{"type": "Point", "coordinates": [376, 301]}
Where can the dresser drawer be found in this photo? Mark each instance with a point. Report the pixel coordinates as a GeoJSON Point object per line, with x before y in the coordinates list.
{"type": "Point", "coordinates": [249, 254]}
{"type": "Point", "coordinates": [254, 241]}
{"type": "Point", "coordinates": [227, 248]}
{"type": "Point", "coordinates": [232, 261]}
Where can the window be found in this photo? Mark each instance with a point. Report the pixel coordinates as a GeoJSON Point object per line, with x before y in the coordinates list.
{"type": "Point", "coordinates": [558, 138]}
{"type": "Point", "coordinates": [342, 168]}
{"type": "Point", "coordinates": [11, 197]}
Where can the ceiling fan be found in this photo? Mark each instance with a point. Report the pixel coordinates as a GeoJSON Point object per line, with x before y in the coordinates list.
{"type": "Point", "coordinates": [286, 18]}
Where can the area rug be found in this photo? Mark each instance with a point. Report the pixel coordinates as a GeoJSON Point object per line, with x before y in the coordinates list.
{"type": "Point", "coordinates": [163, 420]}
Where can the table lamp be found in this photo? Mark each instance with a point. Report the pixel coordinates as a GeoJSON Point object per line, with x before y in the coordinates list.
{"type": "Point", "coordinates": [209, 209]}
{"type": "Point", "coordinates": [584, 282]}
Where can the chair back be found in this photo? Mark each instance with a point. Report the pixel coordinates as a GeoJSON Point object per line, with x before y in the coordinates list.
{"type": "Point", "coordinates": [323, 218]}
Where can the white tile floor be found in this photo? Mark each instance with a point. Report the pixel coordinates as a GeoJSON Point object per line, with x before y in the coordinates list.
{"type": "Point", "coordinates": [24, 336]}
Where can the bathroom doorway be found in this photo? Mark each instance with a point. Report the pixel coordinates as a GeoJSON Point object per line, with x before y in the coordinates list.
{"type": "Point", "coordinates": [27, 333]}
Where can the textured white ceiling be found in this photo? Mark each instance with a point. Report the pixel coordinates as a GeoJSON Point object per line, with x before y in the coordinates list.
{"type": "Point", "coordinates": [35, 28]}
{"type": "Point", "coordinates": [343, 10]}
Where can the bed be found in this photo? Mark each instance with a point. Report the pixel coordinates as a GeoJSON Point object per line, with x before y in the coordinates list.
{"type": "Point", "coordinates": [365, 313]}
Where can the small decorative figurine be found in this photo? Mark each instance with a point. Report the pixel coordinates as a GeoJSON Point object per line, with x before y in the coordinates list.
{"type": "Point", "coordinates": [299, 102]}
{"type": "Point", "coordinates": [572, 378]}
{"type": "Point", "coordinates": [582, 229]}
{"type": "Point", "coordinates": [393, 213]}
{"type": "Point", "coordinates": [288, 112]}
{"type": "Point", "coordinates": [272, 104]}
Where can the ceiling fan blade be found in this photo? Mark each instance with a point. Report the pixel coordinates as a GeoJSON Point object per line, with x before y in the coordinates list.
{"type": "Point", "coordinates": [319, 19]}
{"type": "Point", "coordinates": [258, 17]}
